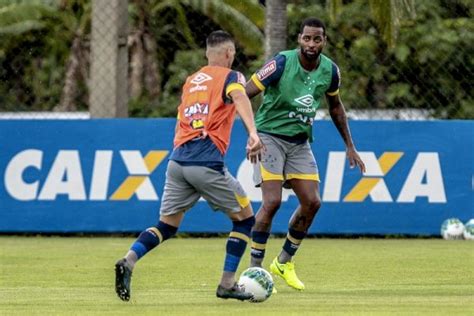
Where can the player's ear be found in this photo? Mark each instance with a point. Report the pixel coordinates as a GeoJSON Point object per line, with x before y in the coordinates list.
{"type": "Point", "coordinates": [230, 51]}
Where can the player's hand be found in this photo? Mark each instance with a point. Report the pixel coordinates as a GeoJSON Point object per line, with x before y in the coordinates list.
{"type": "Point", "coordinates": [254, 148]}
{"type": "Point", "coordinates": [354, 159]}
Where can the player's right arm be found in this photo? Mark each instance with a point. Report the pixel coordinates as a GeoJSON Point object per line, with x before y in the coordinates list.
{"type": "Point", "coordinates": [269, 74]}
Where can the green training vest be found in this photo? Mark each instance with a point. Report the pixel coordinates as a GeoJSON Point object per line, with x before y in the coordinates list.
{"type": "Point", "coordinates": [289, 107]}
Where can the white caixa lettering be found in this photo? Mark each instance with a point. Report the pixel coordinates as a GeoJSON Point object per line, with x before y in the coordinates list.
{"type": "Point", "coordinates": [65, 176]}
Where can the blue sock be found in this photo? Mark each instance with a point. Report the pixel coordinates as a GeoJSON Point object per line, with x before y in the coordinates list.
{"type": "Point", "coordinates": [293, 241]}
{"type": "Point", "coordinates": [236, 243]}
{"type": "Point", "coordinates": [259, 243]}
{"type": "Point", "coordinates": [152, 237]}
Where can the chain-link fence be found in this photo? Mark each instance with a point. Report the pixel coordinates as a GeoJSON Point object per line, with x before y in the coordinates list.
{"type": "Point", "coordinates": [81, 58]}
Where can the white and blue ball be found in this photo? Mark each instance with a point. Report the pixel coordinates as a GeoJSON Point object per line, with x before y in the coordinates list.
{"type": "Point", "coordinates": [258, 282]}
{"type": "Point", "coordinates": [469, 230]}
{"type": "Point", "coordinates": [452, 228]}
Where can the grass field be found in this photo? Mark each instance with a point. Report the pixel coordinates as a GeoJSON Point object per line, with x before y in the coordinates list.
{"type": "Point", "coordinates": [74, 276]}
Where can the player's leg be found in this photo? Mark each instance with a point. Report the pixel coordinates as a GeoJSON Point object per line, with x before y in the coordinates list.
{"type": "Point", "coordinates": [302, 175]}
{"type": "Point", "coordinates": [152, 237]}
{"type": "Point", "coordinates": [271, 201]}
{"type": "Point", "coordinates": [307, 192]}
{"type": "Point", "coordinates": [223, 192]}
{"type": "Point", "coordinates": [178, 196]}
{"type": "Point", "coordinates": [242, 223]}
{"type": "Point", "coordinates": [268, 174]}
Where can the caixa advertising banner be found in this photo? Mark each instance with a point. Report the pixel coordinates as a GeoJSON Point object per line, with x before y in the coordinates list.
{"type": "Point", "coordinates": [102, 176]}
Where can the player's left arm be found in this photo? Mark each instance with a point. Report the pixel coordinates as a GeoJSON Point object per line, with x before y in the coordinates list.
{"type": "Point", "coordinates": [339, 117]}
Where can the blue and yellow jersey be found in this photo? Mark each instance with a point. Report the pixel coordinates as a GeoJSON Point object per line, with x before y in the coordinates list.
{"type": "Point", "coordinates": [234, 81]}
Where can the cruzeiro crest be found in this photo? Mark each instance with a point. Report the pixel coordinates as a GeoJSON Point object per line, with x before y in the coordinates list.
{"type": "Point", "coordinates": [306, 100]}
{"type": "Point", "coordinates": [200, 78]}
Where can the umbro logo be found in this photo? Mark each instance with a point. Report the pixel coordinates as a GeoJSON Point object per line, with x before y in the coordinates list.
{"type": "Point", "coordinates": [200, 78]}
{"type": "Point", "coordinates": [306, 100]}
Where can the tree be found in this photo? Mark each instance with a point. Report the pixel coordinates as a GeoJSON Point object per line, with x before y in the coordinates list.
{"type": "Point", "coordinates": [144, 73]}
{"type": "Point", "coordinates": [172, 25]}
{"type": "Point", "coordinates": [275, 27]}
{"type": "Point", "coordinates": [78, 61]}
{"type": "Point", "coordinates": [50, 26]}
{"type": "Point", "coordinates": [62, 27]}
{"type": "Point", "coordinates": [144, 53]}
{"type": "Point", "coordinates": [386, 14]}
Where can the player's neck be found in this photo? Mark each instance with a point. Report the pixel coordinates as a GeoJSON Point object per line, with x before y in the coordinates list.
{"type": "Point", "coordinates": [218, 63]}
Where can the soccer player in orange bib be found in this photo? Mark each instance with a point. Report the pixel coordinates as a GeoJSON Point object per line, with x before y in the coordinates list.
{"type": "Point", "coordinates": [210, 99]}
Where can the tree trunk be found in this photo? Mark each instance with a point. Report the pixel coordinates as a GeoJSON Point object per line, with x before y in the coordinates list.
{"type": "Point", "coordinates": [152, 75]}
{"type": "Point", "coordinates": [275, 27]}
{"type": "Point", "coordinates": [137, 58]}
{"type": "Point", "coordinates": [73, 73]}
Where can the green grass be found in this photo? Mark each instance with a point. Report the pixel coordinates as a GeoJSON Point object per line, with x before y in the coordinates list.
{"type": "Point", "coordinates": [74, 276]}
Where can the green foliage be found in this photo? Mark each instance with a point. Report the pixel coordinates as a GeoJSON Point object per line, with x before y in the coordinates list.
{"type": "Point", "coordinates": [251, 9]}
{"type": "Point", "coordinates": [180, 27]}
{"type": "Point", "coordinates": [184, 64]}
{"type": "Point", "coordinates": [430, 67]}
{"type": "Point", "coordinates": [440, 67]}
{"type": "Point", "coordinates": [18, 18]}
{"type": "Point", "coordinates": [235, 20]}
{"type": "Point", "coordinates": [230, 15]}
{"type": "Point", "coordinates": [33, 59]}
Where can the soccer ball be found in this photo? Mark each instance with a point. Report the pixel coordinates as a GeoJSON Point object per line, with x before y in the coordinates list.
{"type": "Point", "coordinates": [469, 230]}
{"type": "Point", "coordinates": [258, 282]}
{"type": "Point", "coordinates": [452, 228]}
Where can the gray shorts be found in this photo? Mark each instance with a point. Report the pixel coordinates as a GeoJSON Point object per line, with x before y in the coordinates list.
{"type": "Point", "coordinates": [184, 186]}
{"type": "Point", "coordinates": [283, 160]}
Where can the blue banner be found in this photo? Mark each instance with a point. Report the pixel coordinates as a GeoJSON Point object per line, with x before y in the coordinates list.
{"type": "Point", "coordinates": [66, 176]}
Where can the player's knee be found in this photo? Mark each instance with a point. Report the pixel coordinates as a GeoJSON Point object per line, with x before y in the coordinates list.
{"type": "Point", "coordinates": [316, 204]}
{"type": "Point", "coordinates": [311, 205]}
{"type": "Point", "coordinates": [271, 205]}
{"type": "Point", "coordinates": [244, 226]}
{"type": "Point", "coordinates": [165, 230]}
